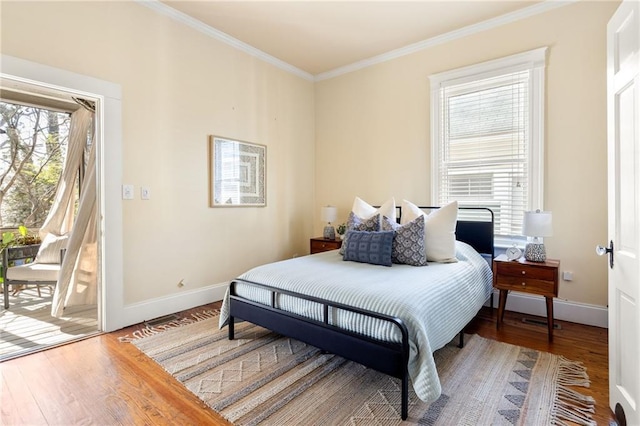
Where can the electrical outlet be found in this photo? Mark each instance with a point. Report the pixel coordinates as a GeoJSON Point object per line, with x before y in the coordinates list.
{"type": "Point", "coordinates": [127, 192]}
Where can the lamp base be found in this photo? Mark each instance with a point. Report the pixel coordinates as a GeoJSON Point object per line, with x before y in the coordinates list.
{"type": "Point", "coordinates": [329, 233]}
{"type": "Point", "coordinates": [535, 252]}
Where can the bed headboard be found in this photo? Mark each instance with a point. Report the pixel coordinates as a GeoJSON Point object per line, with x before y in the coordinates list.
{"type": "Point", "coordinates": [476, 229]}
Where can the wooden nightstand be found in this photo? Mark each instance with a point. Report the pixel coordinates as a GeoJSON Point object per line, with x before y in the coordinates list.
{"type": "Point", "coordinates": [320, 244]}
{"type": "Point", "coordinates": [528, 277]}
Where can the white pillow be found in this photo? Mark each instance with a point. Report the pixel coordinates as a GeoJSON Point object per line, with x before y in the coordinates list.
{"type": "Point", "coordinates": [49, 251]}
{"type": "Point", "coordinates": [364, 210]}
{"type": "Point", "coordinates": [439, 230]}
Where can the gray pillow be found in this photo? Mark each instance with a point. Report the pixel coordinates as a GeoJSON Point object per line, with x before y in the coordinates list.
{"type": "Point", "coordinates": [374, 247]}
{"type": "Point", "coordinates": [408, 243]}
{"type": "Point", "coordinates": [356, 223]}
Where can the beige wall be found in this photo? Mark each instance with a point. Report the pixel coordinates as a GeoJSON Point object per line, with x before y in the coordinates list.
{"type": "Point", "coordinates": [178, 86]}
{"type": "Point", "coordinates": [370, 127]}
{"type": "Point", "coordinates": [372, 131]}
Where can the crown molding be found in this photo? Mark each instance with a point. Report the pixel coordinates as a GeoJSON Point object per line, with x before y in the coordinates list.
{"type": "Point", "coordinates": [197, 25]}
{"type": "Point", "coordinates": [447, 37]}
{"type": "Point", "coordinates": [508, 18]}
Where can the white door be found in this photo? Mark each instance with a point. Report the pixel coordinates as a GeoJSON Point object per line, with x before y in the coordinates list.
{"type": "Point", "coordinates": [623, 121]}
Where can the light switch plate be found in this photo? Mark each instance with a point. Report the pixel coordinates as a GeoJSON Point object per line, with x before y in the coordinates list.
{"type": "Point", "coordinates": [127, 192]}
{"type": "Point", "coordinates": [145, 193]}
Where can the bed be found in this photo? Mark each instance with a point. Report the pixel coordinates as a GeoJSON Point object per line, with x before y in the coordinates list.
{"type": "Point", "coordinates": [351, 309]}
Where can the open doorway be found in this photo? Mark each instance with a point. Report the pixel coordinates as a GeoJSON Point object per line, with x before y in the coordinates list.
{"type": "Point", "coordinates": [47, 204]}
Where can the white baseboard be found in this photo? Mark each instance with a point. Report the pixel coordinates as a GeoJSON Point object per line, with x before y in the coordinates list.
{"type": "Point", "coordinates": [565, 310]}
{"type": "Point", "coordinates": [161, 306]}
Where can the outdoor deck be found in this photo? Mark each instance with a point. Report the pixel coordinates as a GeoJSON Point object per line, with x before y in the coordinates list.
{"type": "Point", "coordinates": [27, 326]}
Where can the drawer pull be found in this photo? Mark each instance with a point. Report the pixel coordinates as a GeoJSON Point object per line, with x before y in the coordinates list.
{"type": "Point", "coordinates": [524, 272]}
{"type": "Point", "coordinates": [324, 245]}
{"type": "Point", "coordinates": [524, 284]}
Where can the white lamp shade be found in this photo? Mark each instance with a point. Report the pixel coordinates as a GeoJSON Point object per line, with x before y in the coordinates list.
{"type": "Point", "coordinates": [537, 224]}
{"type": "Point", "coordinates": [329, 214]}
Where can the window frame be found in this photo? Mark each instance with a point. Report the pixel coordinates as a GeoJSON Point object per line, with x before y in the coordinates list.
{"type": "Point", "coordinates": [533, 61]}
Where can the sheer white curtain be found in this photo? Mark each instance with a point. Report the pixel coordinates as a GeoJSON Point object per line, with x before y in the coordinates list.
{"type": "Point", "coordinates": [60, 218]}
{"type": "Point", "coordinates": [77, 281]}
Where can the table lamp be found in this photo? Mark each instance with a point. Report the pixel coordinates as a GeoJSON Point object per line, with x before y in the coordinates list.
{"type": "Point", "coordinates": [536, 225]}
{"type": "Point", "coordinates": [328, 215]}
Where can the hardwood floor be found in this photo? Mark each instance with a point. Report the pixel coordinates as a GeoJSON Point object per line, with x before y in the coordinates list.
{"type": "Point", "coordinates": [103, 381]}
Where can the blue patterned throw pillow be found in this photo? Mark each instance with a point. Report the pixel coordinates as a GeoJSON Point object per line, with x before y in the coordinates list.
{"type": "Point", "coordinates": [369, 247]}
{"type": "Point", "coordinates": [408, 243]}
{"type": "Point", "coordinates": [356, 223]}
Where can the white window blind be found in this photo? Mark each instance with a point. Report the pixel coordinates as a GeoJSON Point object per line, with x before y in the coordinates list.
{"type": "Point", "coordinates": [487, 142]}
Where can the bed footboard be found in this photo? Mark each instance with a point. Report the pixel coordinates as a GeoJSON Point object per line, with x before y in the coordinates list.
{"type": "Point", "coordinates": [387, 357]}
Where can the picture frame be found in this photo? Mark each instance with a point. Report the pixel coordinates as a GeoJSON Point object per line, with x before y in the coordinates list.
{"type": "Point", "coordinates": [237, 173]}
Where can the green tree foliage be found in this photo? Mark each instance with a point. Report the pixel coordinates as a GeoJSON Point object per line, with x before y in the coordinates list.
{"type": "Point", "coordinates": [33, 143]}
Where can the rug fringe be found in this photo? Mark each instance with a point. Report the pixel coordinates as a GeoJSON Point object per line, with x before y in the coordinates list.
{"type": "Point", "coordinates": [570, 405]}
{"type": "Point", "coordinates": [149, 330]}
{"type": "Point", "coordinates": [572, 373]}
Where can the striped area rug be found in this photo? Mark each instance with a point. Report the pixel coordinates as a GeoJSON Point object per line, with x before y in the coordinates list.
{"type": "Point", "coordinates": [264, 378]}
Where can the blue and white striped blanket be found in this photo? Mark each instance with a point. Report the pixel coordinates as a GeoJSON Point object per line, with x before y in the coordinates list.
{"type": "Point", "coordinates": [435, 302]}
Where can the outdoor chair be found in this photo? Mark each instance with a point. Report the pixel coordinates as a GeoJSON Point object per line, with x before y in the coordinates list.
{"type": "Point", "coordinates": [42, 271]}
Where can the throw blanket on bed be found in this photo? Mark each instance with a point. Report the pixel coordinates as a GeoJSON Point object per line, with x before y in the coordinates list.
{"type": "Point", "coordinates": [435, 302]}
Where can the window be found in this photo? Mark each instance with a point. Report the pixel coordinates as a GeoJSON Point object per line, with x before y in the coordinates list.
{"type": "Point", "coordinates": [487, 138]}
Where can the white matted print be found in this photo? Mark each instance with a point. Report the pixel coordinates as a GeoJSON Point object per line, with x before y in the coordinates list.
{"type": "Point", "coordinates": [237, 173]}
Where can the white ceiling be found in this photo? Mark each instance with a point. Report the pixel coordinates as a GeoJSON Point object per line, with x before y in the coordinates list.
{"type": "Point", "coordinates": [320, 36]}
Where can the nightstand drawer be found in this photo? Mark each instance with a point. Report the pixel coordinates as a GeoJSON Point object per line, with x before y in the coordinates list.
{"type": "Point", "coordinates": [517, 270]}
{"type": "Point", "coordinates": [528, 285]}
{"type": "Point", "coordinates": [318, 245]}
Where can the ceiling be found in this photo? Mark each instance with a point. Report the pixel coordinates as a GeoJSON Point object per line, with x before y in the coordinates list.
{"type": "Point", "coordinates": [320, 36]}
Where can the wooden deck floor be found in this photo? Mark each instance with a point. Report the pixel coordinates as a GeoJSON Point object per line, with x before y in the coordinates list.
{"type": "Point", "coordinates": [28, 326]}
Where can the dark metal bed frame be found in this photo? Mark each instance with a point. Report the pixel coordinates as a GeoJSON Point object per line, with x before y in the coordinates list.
{"type": "Point", "coordinates": [387, 357]}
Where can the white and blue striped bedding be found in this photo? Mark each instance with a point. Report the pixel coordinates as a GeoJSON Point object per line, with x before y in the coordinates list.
{"type": "Point", "coordinates": [435, 302]}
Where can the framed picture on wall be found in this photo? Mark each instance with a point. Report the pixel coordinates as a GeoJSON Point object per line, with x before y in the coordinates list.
{"type": "Point", "coordinates": [237, 173]}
